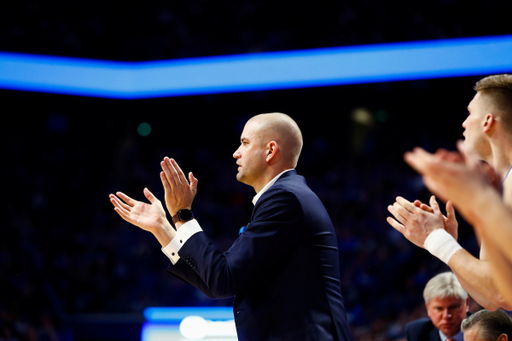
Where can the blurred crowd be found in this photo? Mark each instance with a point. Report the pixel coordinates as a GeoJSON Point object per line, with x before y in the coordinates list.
{"type": "Point", "coordinates": [178, 29]}
{"type": "Point", "coordinates": [64, 251]}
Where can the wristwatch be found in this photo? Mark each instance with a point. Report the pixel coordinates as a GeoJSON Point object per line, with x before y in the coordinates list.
{"type": "Point", "coordinates": [183, 215]}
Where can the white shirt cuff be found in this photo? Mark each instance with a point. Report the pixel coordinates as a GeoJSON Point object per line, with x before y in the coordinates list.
{"type": "Point", "coordinates": [186, 231]}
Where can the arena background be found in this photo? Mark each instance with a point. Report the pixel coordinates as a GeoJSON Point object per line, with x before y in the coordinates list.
{"type": "Point", "coordinates": [71, 269]}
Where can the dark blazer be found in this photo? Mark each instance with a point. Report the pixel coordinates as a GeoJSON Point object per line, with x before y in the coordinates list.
{"type": "Point", "coordinates": [422, 330]}
{"type": "Point", "coordinates": [283, 269]}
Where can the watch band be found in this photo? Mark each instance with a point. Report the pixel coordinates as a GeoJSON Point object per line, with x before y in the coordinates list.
{"type": "Point", "coordinates": [182, 215]}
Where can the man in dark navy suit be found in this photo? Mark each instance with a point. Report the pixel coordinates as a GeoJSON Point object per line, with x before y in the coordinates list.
{"type": "Point", "coordinates": [284, 267]}
{"type": "Point", "coordinates": [447, 306]}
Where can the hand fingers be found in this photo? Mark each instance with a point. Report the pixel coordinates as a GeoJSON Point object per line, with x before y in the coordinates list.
{"type": "Point", "coordinates": [396, 225]}
{"type": "Point", "coordinates": [417, 159]}
{"type": "Point", "coordinates": [454, 157]}
{"type": "Point", "coordinates": [435, 206]}
{"type": "Point", "coordinates": [193, 182]}
{"type": "Point", "coordinates": [169, 172]}
{"type": "Point", "coordinates": [450, 211]}
{"type": "Point", "coordinates": [114, 200]}
{"type": "Point", "coordinates": [171, 164]}
{"type": "Point", "coordinates": [152, 199]}
{"type": "Point", "coordinates": [118, 203]}
{"type": "Point", "coordinates": [179, 172]}
{"type": "Point", "coordinates": [442, 153]}
{"type": "Point", "coordinates": [126, 198]}
{"type": "Point", "coordinates": [398, 212]}
{"type": "Point", "coordinates": [125, 215]}
{"type": "Point", "coordinates": [406, 204]}
{"type": "Point", "coordinates": [422, 206]}
{"type": "Point", "coordinates": [121, 208]}
{"type": "Point", "coordinates": [165, 182]}
{"type": "Point", "coordinates": [426, 208]}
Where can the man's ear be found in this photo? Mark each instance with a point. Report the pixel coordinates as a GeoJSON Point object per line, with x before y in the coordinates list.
{"type": "Point", "coordinates": [502, 337]}
{"type": "Point", "coordinates": [488, 122]}
{"type": "Point", "coordinates": [272, 149]}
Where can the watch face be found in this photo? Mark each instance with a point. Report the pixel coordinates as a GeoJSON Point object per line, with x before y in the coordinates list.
{"type": "Point", "coordinates": [185, 215]}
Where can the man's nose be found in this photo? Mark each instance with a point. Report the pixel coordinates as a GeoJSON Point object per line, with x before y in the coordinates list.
{"type": "Point", "coordinates": [236, 154]}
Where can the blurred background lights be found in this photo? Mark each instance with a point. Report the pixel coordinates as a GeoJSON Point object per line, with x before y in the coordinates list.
{"type": "Point", "coordinates": [196, 327]}
{"type": "Point", "coordinates": [144, 129]}
{"type": "Point", "coordinates": [382, 115]}
{"type": "Point", "coordinates": [193, 327]}
{"type": "Point", "coordinates": [362, 116]}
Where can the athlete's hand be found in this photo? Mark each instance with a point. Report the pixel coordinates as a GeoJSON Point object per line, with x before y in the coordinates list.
{"type": "Point", "coordinates": [450, 222]}
{"type": "Point", "coordinates": [413, 222]}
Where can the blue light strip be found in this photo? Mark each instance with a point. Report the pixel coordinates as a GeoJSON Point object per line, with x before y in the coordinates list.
{"type": "Point", "coordinates": [260, 71]}
{"type": "Point", "coordinates": [176, 314]}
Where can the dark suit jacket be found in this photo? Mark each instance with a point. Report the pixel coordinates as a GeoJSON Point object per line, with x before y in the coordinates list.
{"type": "Point", "coordinates": [422, 330]}
{"type": "Point", "coordinates": [283, 270]}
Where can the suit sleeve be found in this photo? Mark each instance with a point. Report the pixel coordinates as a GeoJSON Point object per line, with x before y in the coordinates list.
{"type": "Point", "coordinates": [276, 227]}
{"type": "Point", "coordinates": [185, 272]}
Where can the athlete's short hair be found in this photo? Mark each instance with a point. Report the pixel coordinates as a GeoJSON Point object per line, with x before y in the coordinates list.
{"type": "Point", "coordinates": [497, 91]}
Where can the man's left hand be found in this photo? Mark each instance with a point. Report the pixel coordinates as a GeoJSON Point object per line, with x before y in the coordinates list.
{"type": "Point", "coordinates": [179, 193]}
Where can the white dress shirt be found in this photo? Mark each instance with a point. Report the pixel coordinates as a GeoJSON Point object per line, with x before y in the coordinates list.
{"type": "Point", "coordinates": [191, 227]}
{"type": "Point", "coordinates": [458, 337]}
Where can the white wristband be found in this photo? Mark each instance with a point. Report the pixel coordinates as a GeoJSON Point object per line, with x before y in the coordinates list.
{"type": "Point", "coordinates": [441, 244]}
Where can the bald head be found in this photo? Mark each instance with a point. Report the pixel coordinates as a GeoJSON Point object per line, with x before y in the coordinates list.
{"type": "Point", "coordinates": [282, 129]}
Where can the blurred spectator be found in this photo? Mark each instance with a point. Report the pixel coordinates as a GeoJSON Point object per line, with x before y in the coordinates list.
{"type": "Point", "coordinates": [447, 305]}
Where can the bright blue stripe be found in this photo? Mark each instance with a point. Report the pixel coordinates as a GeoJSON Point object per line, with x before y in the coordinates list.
{"type": "Point", "coordinates": [176, 314]}
{"type": "Point", "coordinates": [260, 71]}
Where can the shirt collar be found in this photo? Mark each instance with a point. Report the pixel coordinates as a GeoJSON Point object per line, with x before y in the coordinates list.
{"type": "Point", "coordinates": [459, 336]}
{"type": "Point", "coordinates": [267, 186]}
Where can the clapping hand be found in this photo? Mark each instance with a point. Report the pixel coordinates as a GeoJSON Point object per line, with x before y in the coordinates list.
{"type": "Point", "coordinates": [149, 217]}
{"type": "Point", "coordinates": [179, 192]}
{"type": "Point", "coordinates": [414, 222]}
{"type": "Point", "coordinates": [453, 175]}
{"type": "Point", "coordinates": [450, 221]}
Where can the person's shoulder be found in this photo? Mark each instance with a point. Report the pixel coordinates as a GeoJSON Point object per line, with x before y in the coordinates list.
{"type": "Point", "coordinates": [291, 181]}
{"type": "Point", "coordinates": [287, 188]}
{"type": "Point", "coordinates": [420, 322]}
{"type": "Point", "coordinates": [419, 326]}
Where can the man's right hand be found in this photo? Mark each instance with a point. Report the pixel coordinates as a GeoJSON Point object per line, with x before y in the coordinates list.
{"type": "Point", "coordinates": [149, 217]}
